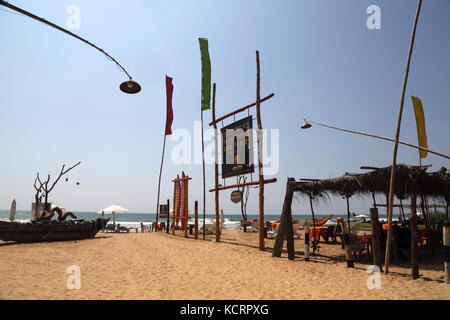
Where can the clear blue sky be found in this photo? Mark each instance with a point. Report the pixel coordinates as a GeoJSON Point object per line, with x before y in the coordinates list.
{"type": "Point", "coordinates": [60, 102]}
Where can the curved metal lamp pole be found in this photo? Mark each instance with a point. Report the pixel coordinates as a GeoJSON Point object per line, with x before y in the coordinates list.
{"type": "Point", "coordinates": [129, 86]}
{"type": "Point", "coordinates": [307, 125]}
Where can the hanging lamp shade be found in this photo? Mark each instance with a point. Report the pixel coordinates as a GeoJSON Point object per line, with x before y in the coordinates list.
{"type": "Point", "coordinates": [305, 125]}
{"type": "Point", "coordinates": [130, 87]}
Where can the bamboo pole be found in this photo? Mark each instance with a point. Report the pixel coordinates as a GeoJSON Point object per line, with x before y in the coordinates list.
{"type": "Point", "coordinates": [314, 225]}
{"type": "Point", "coordinates": [260, 160]}
{"type": "Point", "coordinates": [196, 220]}
{"type": "Point", "coordinates": [397, 135]}
{"type": "Point", "coordinates": [348, 213]}
{"type": "Point", "coordinates": [446, 243]}
{"type": "Point", "coordinates": [168, 216]}
{"type": "Point", "coordinates": [216, 164]}
{"type": "Point", "coordinates": [174, 205]}
{"type": "Point", "coordinates": [186, 201]}
{"type": "Point", "coordinates": [414, 240]}
{"type": "Point", "coordinates": [346, 236]}
{"type": "Point", "coordinates": [307, 241]}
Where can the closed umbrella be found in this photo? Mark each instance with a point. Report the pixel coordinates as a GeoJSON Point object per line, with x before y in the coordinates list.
{"type": "Point", "coordinates": [12, 213]}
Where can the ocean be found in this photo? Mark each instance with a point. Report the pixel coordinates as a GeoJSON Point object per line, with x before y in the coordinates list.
{"type": "Point", "coordinates": [134, 219]}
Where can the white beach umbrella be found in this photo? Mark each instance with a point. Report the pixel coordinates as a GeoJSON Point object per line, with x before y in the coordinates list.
{"type": "Point", "coordinates": [362, 216]}
{"type": "Point", "coordinates": [113, 209]}
{"type": "Point", "coordinates": [12, 213]}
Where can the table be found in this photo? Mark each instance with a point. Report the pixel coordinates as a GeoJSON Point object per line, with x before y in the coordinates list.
{"type": "Point", "coordinates": [320, 231]}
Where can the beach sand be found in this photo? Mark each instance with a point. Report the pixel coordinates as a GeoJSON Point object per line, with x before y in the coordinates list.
{"type": "Point", "coordinates": [162, 266]}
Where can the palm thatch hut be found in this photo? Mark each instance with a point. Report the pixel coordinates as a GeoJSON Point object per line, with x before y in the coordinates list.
{"type": "Point", "coordinates": [410, 181]}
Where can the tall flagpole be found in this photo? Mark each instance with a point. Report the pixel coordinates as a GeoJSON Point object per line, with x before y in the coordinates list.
{"type": "Point", "coordinates": [397, 135]}
{"type": "Point", "coordinates": [204, 187]}
{"type": "Point", "coordinates": [205, 105]}
{"type": "Point", "coordinates": [167, 131]}
{"type": "Point", "coordinates": [159, 181]}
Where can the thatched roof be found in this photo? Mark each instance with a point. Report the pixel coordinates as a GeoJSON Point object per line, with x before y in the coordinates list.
{"type": "Point", "coordinates": [408, 180]}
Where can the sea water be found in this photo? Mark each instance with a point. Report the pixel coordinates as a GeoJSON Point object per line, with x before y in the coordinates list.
{"type": "Point", "coordinates": [232, 221]}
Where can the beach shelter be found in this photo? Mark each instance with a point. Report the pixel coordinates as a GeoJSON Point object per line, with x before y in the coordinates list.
{"type": "Point", "coordinates": [113, 209]}
{"type": "Point", "coordinates": [12, 213]}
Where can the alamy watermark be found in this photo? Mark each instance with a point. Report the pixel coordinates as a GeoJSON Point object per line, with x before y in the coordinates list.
{"type": "Point", "coordinates": [74, 279]}
{"type": "Point", "coordinates": [74, 19]}
{"type": "Point", "coordinates": [374, 280]}
{"type": "Point", "coordinates": [373, 22]}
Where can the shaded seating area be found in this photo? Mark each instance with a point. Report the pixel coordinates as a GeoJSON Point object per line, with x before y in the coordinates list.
{"type": "Point", "coordinates": [413, 184]}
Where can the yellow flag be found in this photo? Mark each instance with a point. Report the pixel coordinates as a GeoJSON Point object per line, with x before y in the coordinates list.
{"type": "Point", "coordinates": [420, 122]}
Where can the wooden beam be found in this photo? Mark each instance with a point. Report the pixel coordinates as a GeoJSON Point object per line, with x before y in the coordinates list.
{"type": "Point", "coordinates": [244, 184]}
{"type": "Point", "coordinates": [240, 110]}
{"type": "Point", "coordinates": [376, 238]}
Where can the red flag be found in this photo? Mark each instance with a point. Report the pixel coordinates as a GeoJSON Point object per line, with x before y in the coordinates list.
{"type": "Point", "coordinates": [169, 114]}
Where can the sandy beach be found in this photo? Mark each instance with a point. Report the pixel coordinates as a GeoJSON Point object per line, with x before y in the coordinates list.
{"type": "Point", "coordinates": [162, 266]}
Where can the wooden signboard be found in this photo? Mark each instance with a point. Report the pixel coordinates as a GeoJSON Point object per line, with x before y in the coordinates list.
{"type": "Point", "coordinates": [163, 210]}
{"type": "Point", "coordinates": [237, 142]}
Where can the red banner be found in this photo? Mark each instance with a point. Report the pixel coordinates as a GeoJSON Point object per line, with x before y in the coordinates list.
{"type": "Point", "coordinates": [169, 114]}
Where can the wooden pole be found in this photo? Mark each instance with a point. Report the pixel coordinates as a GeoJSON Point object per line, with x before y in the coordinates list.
{"type": "Point", "coordinates": [348, 251]}
{"type": "Point", "coordinates": [174, 205]}
{"type": "Point", "coordinates": [168, 216]}
{"type": "Point", "coordinates": [314, 225]}
{"type": "Point", "coordinates": [186, 201]}
{"type": "Point", "coordinates": [289, 231]}
{"type": "Point", "coordinates": [260, 160]}
{"type": "Point", "coordinates": [196, 220]}
{"type": "Point", "coordinates": [446, 243]}
{"type": "Point", "coordinates": [348, 214]}
{"type": "Point", "coordinates": [282, 228]}
{"type": "Point", "coordinates": [307, 241]}
{"type": "Point", "coordinates": [397, 135]}
{"type": "Point", "coordinates": [216, 164]}
{"type": "Point", "coordinates": [414, 240]}
{"type": "Point", "coordinates": [376, 238]}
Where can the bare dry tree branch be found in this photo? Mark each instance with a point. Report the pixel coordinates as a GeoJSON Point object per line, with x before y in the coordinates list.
{"type": "Point", "coordinates": [60, 175]}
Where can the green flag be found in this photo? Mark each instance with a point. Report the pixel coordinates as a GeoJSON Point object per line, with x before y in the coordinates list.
{"type": "Point", "coordinates": [206, 74]}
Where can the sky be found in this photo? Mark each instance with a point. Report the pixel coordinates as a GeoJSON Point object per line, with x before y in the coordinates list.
{"type": "Point", "coordinates": [60, 101]}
